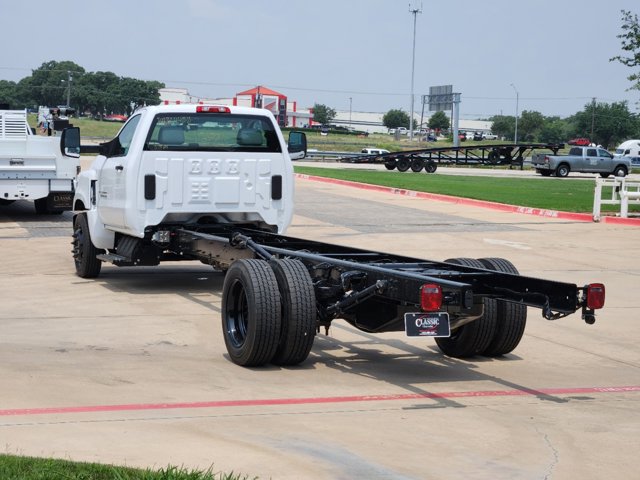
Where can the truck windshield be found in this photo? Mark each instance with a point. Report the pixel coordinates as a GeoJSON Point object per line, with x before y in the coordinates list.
{"type": "Point", "coordinates": [212, 132]}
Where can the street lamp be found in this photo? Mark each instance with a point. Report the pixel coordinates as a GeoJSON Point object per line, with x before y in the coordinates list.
{"type": "Point", "coordinates": [415, 12]}
{"type": "Point", "coordinates": [350, 101]}
{"type": "Point", "coordinates": [515, 136]}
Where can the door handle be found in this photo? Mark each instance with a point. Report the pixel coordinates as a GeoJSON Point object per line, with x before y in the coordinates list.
{"type": "Point", "coordinates": [119, 168]}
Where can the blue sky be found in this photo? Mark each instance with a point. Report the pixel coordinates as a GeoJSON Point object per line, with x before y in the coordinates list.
{"type": "Point", "coordinates": [556, 53]}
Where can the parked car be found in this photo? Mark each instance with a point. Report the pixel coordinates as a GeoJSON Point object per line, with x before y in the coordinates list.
{"type": "Point", "coordinates": [477, 136]}
{"type": "Point", "coordinates": [580, 142]}
{"type": "Point", "coordinates": [374, 151]}
{"type": "Point", "coordinates": [489, 136]}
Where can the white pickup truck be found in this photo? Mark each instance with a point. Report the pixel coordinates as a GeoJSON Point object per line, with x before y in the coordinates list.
{"type": "Point", "coordinates": [215, 184]}
{"type": "Point", "coordinates": [34, 167]}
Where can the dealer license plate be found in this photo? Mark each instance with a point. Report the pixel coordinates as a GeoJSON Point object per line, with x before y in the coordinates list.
{"type": "Point", "coordinates": [431, 324]}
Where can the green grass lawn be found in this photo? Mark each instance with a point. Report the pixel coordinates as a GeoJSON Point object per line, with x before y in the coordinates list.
{"type": "Point", "coordinates": [552, 194]}
{"type": "Point", "coordinates": [29, 468]}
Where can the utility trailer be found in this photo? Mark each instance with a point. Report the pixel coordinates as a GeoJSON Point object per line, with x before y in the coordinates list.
{"type": "Point", "coordinates": [215, 184]}
{"type": "Point", "coordinates": [429, 158]}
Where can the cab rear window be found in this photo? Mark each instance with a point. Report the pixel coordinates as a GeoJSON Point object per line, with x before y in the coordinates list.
{"type": "Point", "coordinates": [212, 132]}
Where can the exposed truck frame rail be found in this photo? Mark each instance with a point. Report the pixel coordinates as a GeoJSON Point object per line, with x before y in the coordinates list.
{"type": "Point", "coordinates": [373, 291]}
{"type": "Point", "coordinates": [428, 158]}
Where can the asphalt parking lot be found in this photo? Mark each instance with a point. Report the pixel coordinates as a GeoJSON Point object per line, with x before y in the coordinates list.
{"type": "Point", "coordinates": [131, 368]}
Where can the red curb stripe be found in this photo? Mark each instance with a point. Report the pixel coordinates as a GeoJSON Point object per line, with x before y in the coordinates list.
{"type": "Point", "coordinates": [316, 400]}
{"type": "Point", "coordinates": [502, 207]}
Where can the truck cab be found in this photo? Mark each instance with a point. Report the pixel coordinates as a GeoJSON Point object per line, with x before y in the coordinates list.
{"type": "Point", "coordinates": [189, 164]}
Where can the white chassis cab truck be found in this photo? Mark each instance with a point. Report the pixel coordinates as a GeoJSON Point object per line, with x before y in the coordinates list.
{"type": "Point", "coordinates": [37, 168]}
{"type": "Point", "coordinates": [215, 184]}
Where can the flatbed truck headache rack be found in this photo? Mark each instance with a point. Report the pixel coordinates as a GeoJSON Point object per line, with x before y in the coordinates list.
{"type": "Point", "coordinates": [215, 184]}
{"type": "Point", "coordinates": [428, 158]}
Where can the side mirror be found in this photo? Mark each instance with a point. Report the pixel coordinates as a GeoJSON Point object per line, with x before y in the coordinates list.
{"type": "Point", "coordinates": [70, 142]}
{"type": "Point", "coordinates": [297, 145]}
{"type": "Point", "coordinates": [111, 148]}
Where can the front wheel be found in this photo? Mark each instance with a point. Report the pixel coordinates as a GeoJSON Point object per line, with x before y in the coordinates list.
{"type": "Point", "coordinates": [84, 253]}
{"type": "Point", "coordinates": [390, 164]}
{"type": "Point", "coordinates": [251, 312]}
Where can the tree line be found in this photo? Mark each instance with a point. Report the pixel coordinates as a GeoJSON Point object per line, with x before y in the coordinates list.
{"type": "Point", "coordinates": [97, 93]}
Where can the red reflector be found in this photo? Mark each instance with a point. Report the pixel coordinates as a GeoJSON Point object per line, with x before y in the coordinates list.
{"type": "Point", "coordinates": [430, 297]}
{"type": "Point", "coordinates": [595, 296]}
{"type": "Point", "coordinates": [212, 109]}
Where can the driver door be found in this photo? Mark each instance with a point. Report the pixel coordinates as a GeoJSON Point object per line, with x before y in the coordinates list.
{"type": "Point", "coordinates": [112, 191]}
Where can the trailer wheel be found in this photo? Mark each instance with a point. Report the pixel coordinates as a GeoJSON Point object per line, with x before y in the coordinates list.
{"type": "Point", "coordinates": [493, 157]}
{"type": "Point", "coordinates": [390, 164]}
{"type": "Point", "coordinates": [472, 338]}
{"type": "Point", "coordinates": [298, 326]}
{"type": "Point", "coordinates": [511, 317]}
{"type": "Point", "coordinates": [431, 167]}
{"type": "Point", "coordinates": [417, 164]}
{"type": "Point", "coordinates": [563, 170]}
{"type": "Point", "coordinates": [84, 253]}
{"type": "Point", "coordinates": [403, 164]}
{"type": "Point", "coordinates": [250, 312]}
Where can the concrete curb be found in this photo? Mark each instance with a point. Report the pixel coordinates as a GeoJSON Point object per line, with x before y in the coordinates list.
{"type": "Point", "coordinates": [502, 207]}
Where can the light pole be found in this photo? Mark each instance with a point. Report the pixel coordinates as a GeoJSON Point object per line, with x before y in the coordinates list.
{"type": "Point", "coordinates": [415, 12]}
{"type": "Point", "coordinates": [350, 103]}
{"type": "Point", "coordinates": [515, 136]}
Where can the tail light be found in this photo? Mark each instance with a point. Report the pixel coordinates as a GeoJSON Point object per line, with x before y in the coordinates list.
{"type": "Point", "coordinates": [212, 109]}
{"type": "Point", "coordinates": [595, 296]}
{"type": "Point", "coordinates": [430, 297]}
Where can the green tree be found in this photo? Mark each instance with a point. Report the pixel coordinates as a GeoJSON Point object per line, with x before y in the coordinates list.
{"type": "Point", "coordinates": [49, 83]}
{"type": "Point", "coordinates": [610, 122]}
{"type": "Point", "coordinates": [630, 38]}
{"type": "Point", "coordinates": [8, 93]}
{"type": "Point", "coordinates": [529, 126]}
{"type": "Point", "coordinates": [396, 118]}
{"type": "Point", "coordinates": [323, 114]}
{"type": "Point", "coordinates": [439, 121]}
{"type": "Point", "coordinates": [554, 130]}
{"type": "Point", "coordinates": [503, 126]}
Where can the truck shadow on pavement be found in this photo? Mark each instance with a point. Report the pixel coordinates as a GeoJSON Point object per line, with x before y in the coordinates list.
{"type": "Point", "coordinates": [409, 366]}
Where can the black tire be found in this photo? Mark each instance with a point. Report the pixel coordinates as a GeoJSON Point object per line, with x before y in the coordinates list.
{"type": "Point", "coordinates": [431, 167]}
{"type": "Point", "coordinates": [620, 171]}
{"type": "Point", "coordinates": [511, 317]}
{"type": "Point", "coordinates": [84, 253]}
{"type": "Point", "coordinates": [493, 158]}
{"type": "Point", "coordinates": [43, 209]}
{"type": "Point", "coordinates": [472, 338]}
{"type": "Point", "coordinates": [563, 170]}
{"type": "Point", "coordinates": [417, 164]}
{"type": "Point", "coordinates": [390, 164]}
{"type": "Point", "coordinates": [298, 325]}
{"type": "Point", "coordinates": [251, 314]}
{"type": "Point", "coordinates": [403, 164]}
